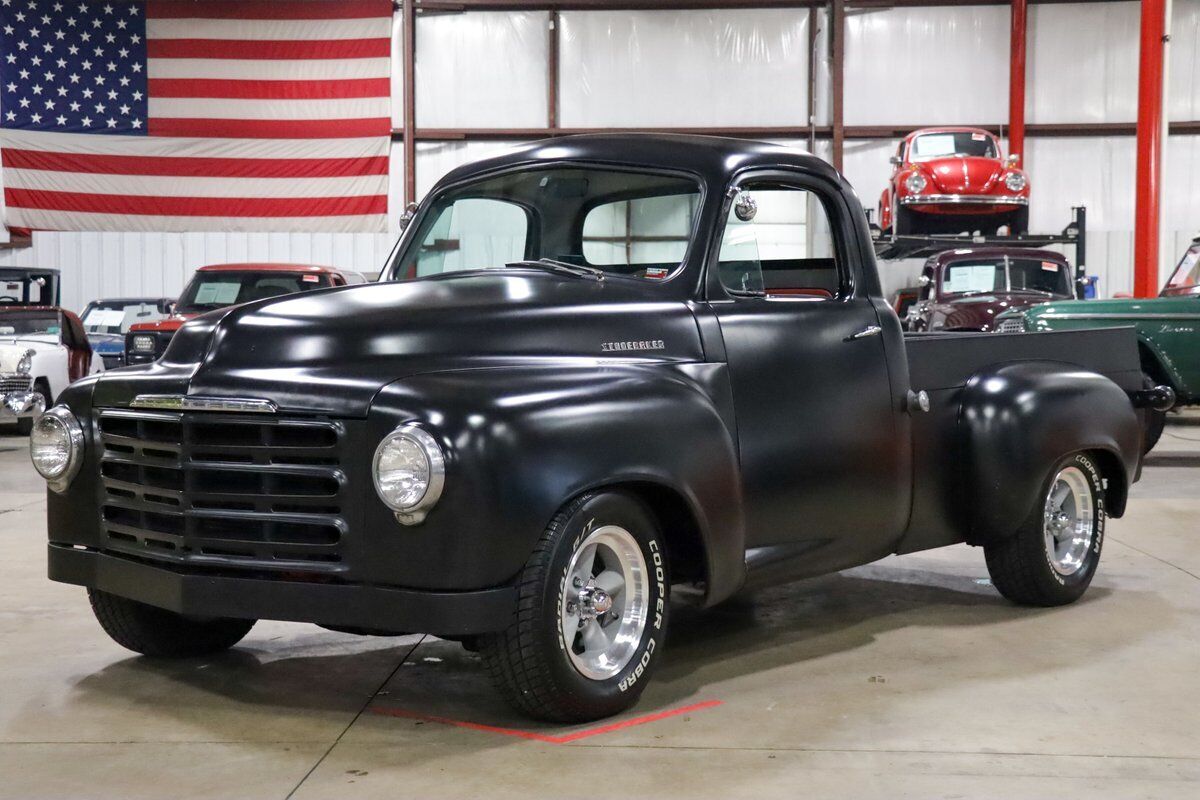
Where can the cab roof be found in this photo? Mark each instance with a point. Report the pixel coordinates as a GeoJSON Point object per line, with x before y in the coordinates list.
{"type": "Point", "coordinates": [950, 256]}
{"type": "Point", "coordinates": [713, 158]}
{"type": "Point", "coordinates": [267, 266]}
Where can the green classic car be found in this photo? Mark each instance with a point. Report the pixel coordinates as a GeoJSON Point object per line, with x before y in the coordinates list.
{"type": "Point", "coordinates": [1168, 328]}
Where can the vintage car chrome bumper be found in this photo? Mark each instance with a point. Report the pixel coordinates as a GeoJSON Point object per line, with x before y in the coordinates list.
{"type": "Point", "coordinates": [964, 200]}
{"type": "Point", "coordinates": [16, 399]}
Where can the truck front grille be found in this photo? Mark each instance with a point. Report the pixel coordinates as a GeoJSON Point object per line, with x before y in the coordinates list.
{"type": "Point", "coordinates": [15, 383]}
{"type": "Point", "coordinates": [220, 489]}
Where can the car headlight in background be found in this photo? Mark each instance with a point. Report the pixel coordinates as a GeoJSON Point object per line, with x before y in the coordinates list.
{"type": "Point", "coordinates": [915, 183]}
{"type": "Point", "coordinates": [143, 344]}
{"type": "Point", "coordinates": [56, 447]}
{"type": "Point", "coordinates": [409, 470]}
{"type": "Point", "coordinates": [1015, 182]}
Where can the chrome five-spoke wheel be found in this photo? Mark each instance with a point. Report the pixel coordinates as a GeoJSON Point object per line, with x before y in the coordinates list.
{"type": "Point", "coordinates": [1067, 521]}
{"type": "Point", "coordinates": [605, 603]}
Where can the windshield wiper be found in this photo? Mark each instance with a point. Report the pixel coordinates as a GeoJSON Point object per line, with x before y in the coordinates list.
{"type": "Point", "coordinates": [561, 267]}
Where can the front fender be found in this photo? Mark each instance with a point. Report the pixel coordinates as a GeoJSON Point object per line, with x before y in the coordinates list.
{"type": "Point", "coordinates": [522, 441]}
{"type": "Point", "coordinates": [1020, 419]}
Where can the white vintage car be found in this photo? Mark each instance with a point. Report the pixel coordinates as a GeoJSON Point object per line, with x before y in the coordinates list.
{"type": "Point", "coordinates": [42, 350]}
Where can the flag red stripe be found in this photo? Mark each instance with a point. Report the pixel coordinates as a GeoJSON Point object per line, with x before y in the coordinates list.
{"type": "Point", "coordinates": [195, 167]}
{"type": "Point", "coordinates": [266, 49]}
{"type": "Point", "coordinates": [267, 9]}
{"type": "Point", "coordinates": [269, 90]}
{"type": "Point", "coordinates": [271, 128]}
{"type": "Point", "coordinates": [196, 206]}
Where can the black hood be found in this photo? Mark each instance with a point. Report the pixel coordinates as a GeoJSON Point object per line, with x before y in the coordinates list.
{"type": "Point", "coordinates": [332, 351]}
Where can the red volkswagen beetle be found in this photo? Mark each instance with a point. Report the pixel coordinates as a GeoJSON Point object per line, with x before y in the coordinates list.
{"type": "Point", "coordinates": [954, 180]}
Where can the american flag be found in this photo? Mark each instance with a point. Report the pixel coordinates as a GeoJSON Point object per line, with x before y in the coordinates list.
{"type": "Point", "coordinates": [192, 115]}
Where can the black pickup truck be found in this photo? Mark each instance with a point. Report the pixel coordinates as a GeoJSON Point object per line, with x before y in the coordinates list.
{"type": "Point", "coordinates": [596, 369]}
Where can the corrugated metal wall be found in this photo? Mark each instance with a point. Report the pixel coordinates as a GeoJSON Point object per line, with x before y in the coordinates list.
{"type": "Point", "coordinates": [743, 67]}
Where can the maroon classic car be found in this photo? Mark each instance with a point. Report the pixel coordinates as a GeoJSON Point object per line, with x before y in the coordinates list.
{"type": "Point", "coordinates": [964, 290]}
{"type": "Point", "coordinates": [954, 180]}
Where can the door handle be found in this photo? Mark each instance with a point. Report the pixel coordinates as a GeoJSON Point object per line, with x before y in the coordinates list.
{"type": "Point", "coordinates": [870, 330]}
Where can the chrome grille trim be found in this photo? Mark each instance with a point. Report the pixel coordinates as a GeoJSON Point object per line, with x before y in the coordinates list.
{"type": "Point", "coordinates": [15, 383]}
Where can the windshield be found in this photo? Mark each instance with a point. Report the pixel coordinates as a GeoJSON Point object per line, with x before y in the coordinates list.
{"type": "Point", "coordinates": [29, 323]}
{"type": "Point", "coordinates": [1188, 271]}
{"type": "Point", "coordinates": [960, 144]}
{"type": "Point", "coordinates": [622, 222]}
{"type": "Point", "coordinates": [1004, 274]}
{"type": "Point", "coordinates": [218, 289]}
{"type": "Point", "coordinates": [117, 317]}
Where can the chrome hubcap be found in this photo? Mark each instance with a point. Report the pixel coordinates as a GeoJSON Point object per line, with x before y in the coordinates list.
{"type": "Point", "coordinates": [605, 604]}
{"type": "Point", "coordinates": [1068, 521]}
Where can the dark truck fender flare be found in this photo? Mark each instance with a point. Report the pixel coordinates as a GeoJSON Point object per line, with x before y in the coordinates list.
{"type": "Point", "coordinates": [1019, 419]}
{"type": "Point", "coordinates": [526, 440]}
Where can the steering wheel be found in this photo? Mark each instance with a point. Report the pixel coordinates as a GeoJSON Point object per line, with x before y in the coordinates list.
{"type": "Point", "coordinates": [8, 298]}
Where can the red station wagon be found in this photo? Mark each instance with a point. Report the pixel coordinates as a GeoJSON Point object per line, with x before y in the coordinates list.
{"type": "Point", "coordinates": [954, 180]}
{"type": "Point", "coordinates": [221, 285]}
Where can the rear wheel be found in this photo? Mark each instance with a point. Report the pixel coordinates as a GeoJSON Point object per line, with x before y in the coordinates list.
{"type": "Point", "coordinates": [154, 631]}
{"type": "Point", "coordinates": [1052, 557]}
{"type": "Point", "coordinates": [591, 617]}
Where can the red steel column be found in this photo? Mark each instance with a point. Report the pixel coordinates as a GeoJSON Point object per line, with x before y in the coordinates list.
{"type": "Point", "coordinates": [1149, 149]}
{"type": "Point", "coordinates": [1016, 80]}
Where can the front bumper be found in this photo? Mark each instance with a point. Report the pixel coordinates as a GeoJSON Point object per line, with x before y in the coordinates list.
{"type": "Point", "coordinates": [964, 200]}
{"type": "Point", "coordinates": [332, 604]}
{"type": "Point", "coordinates": [21, 405]}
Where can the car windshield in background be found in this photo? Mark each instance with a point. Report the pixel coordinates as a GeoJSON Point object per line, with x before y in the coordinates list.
{"type": "Point", "coordinates": [218, 289]}
{"type": "Point", "coordinates": [1006, 275]}
{"type": "Point", "coordinates": [25, 323]}
{"type": "Point", "coordinates": [962, 144]}
{"type": "Point", "coordinates": [635, 224]}
{"type": "Point", "coordinates": [1188, 271]}
{"type": "Point", "coordinates": [117, 317]}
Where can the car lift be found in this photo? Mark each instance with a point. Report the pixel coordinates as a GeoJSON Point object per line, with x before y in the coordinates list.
{"type": "Point", "coordinates": [915, 246]}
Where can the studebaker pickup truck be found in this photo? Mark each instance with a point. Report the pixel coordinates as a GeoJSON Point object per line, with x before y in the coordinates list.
{"type": "Point", "coordinates": [598, 370]}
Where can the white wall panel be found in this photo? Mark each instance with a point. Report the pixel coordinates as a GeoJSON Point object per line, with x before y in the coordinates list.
{"type": "Point", "coordinates": [1183, 71]}
{"type": "Point", "coordinates": [1083, 62]}
{"type": "Point", "coordinates": [730, 67]}
{"type": "Point", "coordinates": [938, 64]}
{"type": "Point", "coordinates": [435, 159]}
{"type": "Point", "coordinates": [482, 70]}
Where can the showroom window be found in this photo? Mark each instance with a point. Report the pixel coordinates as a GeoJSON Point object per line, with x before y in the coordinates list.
{"type": "Point", "coordinates": [778, 243]}
{"type": "Point", "coordinates": [473, 233]}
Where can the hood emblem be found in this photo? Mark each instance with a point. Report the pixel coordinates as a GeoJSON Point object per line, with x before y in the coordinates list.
{"type": "Point", "coordinates": [176, 402]}
{"type": "Point", "coordinates": [624, 347]}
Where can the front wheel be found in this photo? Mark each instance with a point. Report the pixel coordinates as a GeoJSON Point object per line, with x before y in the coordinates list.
{"type": "Point", "coordinates": [591, 614]}
{"type": "Point", "coordinates": [159, 633]}
{"type": "Point", "coordinates": [1052, 557]}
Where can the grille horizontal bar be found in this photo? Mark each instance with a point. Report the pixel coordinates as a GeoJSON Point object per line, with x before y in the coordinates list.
{"type": "Point", "coordinates": [223, 489]}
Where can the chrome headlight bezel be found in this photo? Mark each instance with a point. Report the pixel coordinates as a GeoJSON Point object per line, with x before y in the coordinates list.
{"type": "Point", "coordinates": [1016, 181]}
{"type": "Point", "coordinates": [72, 432]}
{"type": "Point", "coordinates": [25, 362]}
{"type": "Point", "coordinates": [915, 183]}
{"type": "Point", "coordinates": [413, 513]}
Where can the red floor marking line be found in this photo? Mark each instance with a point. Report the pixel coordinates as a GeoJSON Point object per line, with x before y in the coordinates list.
{"type": "Point", "coordinates": [542, 737]}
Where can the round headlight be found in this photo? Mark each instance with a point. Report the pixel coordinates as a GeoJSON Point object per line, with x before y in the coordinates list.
{"type": "Point", "coordinates": [1015, 182]}
{"type": "Point", "coordinates": [25, 363]}
{"type": "Point", "coordinates": [56, 447]}
{"type": "Point", "coordinates": [409, 469]}
{"type": "Point", "coordinates": [915, 183]}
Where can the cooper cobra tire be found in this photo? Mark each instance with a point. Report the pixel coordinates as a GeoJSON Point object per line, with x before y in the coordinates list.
{"type": "Point", "coordinates": [551, 663]}
{"type": "Point", "coordinates": [1052, 557]}
{"type": "Point", "coordinates": [160, 633]}
{"type": "Point", "coordinates": [1156, 421]}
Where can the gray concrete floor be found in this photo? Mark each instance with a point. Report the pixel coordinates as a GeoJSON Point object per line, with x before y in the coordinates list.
{"type": "Point", "coordinates": [907, 678]}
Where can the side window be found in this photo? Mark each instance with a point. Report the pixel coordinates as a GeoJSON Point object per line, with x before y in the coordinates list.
{"type": "Point", "coordinates": [472, 233]}
{"type": "Point", "coordinates": [648, 232]}
{"type": "Point", "coordinates": [778, 242]}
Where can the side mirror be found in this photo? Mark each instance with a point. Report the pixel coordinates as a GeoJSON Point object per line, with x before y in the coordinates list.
{"type": "Point", "coordinates": [1013, 161]}
{"type": "Point", "coordinates": [410, 211]}
{"type": "Point", "coordinates": [924, 280]}
{"type": "Point", "coordinates": [895, 161]}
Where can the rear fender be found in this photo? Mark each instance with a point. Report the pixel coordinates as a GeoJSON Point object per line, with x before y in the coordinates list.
{"type": "Point", "coordinates": [1020, 419]}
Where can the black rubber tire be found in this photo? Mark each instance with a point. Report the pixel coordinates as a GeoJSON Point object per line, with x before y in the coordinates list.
{"type": "Point", "coordinates": [1018, 222]}
{"type": "Point", "coordinates": [528, 662]}
{"type": "Point", "coordinates": [160, 633]}
{"type": "Point", "coordinates": [1154, 421]}
{"type": "Point", "coordinates": [1019, 566]}
{"type": "Point", "coordinates": [25, 426]}
{"type": "Point", "coordinates": [904, 222]}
